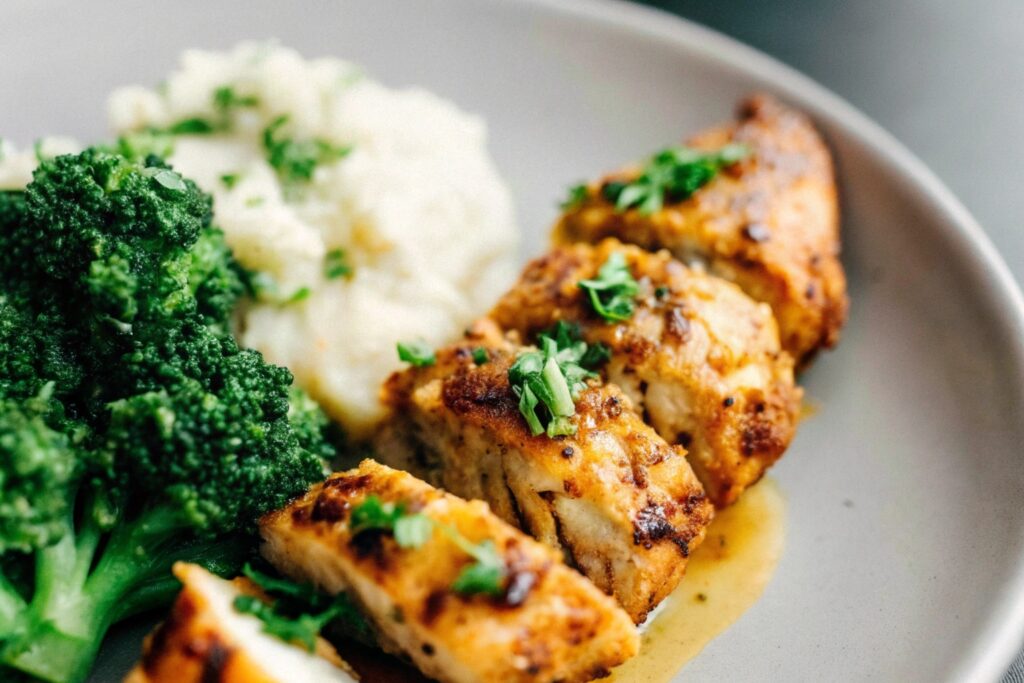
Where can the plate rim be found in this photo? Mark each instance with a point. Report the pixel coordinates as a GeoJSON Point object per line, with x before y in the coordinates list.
{"type": "Point", "coordinates": [1000, 640]}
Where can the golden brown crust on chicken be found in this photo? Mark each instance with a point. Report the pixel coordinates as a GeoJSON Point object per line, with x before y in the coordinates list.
{"type": "Point", "coordinates": [698, 358]}
{"type": "Point", "coordinates": [622, 504]}
{"type": "Point", "coordinates": [203, 639]}
{"type": "Point", "coordinates": [769, 223]}
{"type": "Point", "coordinates": [550, 625]}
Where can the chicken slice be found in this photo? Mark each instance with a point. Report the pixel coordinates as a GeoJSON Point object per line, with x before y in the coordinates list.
{"type": "Point", "coordinates": [622, 504]}
{"type": "Point", "coordinates": [698, 358]}
{"type": "Point", "coordinates": [769, 223]}
{"type": "Point", "coordinates": [206, 639]}
{"type": "Point", "coordinates": [549, 624]}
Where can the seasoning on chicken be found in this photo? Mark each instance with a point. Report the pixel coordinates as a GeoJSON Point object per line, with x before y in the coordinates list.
{"type": "Point", "coordinates": [697, 357]}
{"type": "Point", "coordinates": [622, 504]}
{"type": "Point", "coordinates": [205, 638]}
{"type": "Point", "coordinates": [768, 222]}
{"type": "Point", "coordinates": [465, 596]}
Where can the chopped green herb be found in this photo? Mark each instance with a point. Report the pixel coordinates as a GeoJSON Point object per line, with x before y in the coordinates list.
{"type": "Point", "coordinates": [298, 612]}
{"type": "Point", "coordinates": [576, 196]}
{"type": "Point", "coordinates": [417, 353]}
{"type": "Point", "coordinates": [547, 384]}
{"type": "Point", "coordinates": [301, 294]}
{"type": "Point", "coordinates": [225, 99]}
{"type": "Point", "coordinates": [486, 575]}
{"type": "Point", "coordinates": [572, 348]}
{"type": "Point", "coordinates": [480, 355]}
{"type": "Point", "coordinates": [612, 292]}
{"type": "Point", "coordinates": [139, 145]}
{"type": "Point", "coordinates": [671, 175]}
{"type": "Point", "coordinates": [661, 292]}
{"type": "Point", "coordinates": [230, 179]}
{"type": "Point", "coordinates": [252, 202]}
{"type": "Point", "coordinates": [336, 264]}
{"type": "Point", "coordinates": [412, 531]}
{"type": "Point", "coordinates": [192, 126]}
{"type": "Point", "coordinates": [295, 160]}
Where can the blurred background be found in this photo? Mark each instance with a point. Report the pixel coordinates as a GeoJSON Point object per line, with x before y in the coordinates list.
{"type": "Point", "coordinates": [946, 77]}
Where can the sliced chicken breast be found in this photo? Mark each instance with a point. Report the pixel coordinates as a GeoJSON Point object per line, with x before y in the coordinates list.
{"type": "Point", "coordinates": [206, 639]}
{"type": "Point", "coordinates": [698, 358]}
{"type": "Point", "coordinates": [769, 223]}
{"type": "Point", "coordinates": [622, 504]}
{"type": "Point", "coordinates": [547, 624]}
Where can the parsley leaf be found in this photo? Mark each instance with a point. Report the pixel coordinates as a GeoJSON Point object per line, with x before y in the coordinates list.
{"type": "Point", "coordinates": [613, 290]}
{"type": "Point", "coordinates": [412, 531]}
{"type": "Point", "coordinates": [225, 99]}
{"type": "Point", "coordinates": [572, 348]}
{"type": "Point", "coordinates": [486, 575]}
{"type": "Point", "coordinates": [671, 175]}
{"type": "Point", "coordinates": [336, 264]}
{"type": "Point", "coordinates": [192, 126]}
{"type": "Point", "coordinates": [575, 197]}
{"type": "Point", "coordinates": [480, 355]}
{"type": "Point", "coordinates": [230, 179]}
{"type": "Point", "coordinates": [298, 612]}
{"type": "Point", "coordinates": [295, 160]}
{"type": "Point", "coordinates": [548, 383]}
{"type": "Point", "coordinates": [416, 353]}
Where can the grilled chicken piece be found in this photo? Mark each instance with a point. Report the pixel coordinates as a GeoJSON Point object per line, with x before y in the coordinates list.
{"type": "Point", "coordinates": [769, 223]}
{"type": "Point", "coordinates": [550, 624]}
{"type": "Point", "coordinates": [623, 505]}
{"type": "Point", "coordinates": [206, 639]}
{"type": "Point", "coordinates": [698, 358]}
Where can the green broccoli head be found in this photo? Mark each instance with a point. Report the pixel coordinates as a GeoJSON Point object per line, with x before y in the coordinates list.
{"type": "Point", "coordinates": [212, 436]}
{"type": "Point", "coordinates": [36, 461]}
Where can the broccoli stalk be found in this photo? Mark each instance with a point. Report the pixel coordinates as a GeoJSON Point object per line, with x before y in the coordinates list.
{"type": "Point", "coordinates": [134, 432]}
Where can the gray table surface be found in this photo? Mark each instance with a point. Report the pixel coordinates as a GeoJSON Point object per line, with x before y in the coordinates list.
{"type": "Point", "coordinates": [946, 77]}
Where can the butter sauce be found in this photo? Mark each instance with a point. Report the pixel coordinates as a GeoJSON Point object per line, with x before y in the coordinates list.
{"type": "Point", "coordinates": [725, 576]}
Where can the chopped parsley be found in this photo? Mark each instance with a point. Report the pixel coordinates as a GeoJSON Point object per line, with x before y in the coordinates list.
{"type": "Point", "coordinates": [486, 575]}
{"type": "Point", "coordinates": [192, 126]}
{"type": "Point", "coordinates": [297, 612]}
{"type": "Point", "coordinates": [225, 99]}
{"type": "Point", "coordinates": [572, 348]}
{"type": "Point", "coordinates": [141, 144]}
{"type": "Point", "coordinates": [613, 291]}
{"type": "Point", "coordinates": [480, 355]}
{"type": "Point", "coordinates": [295, 160]}
{"type": "Point", "coordinates": [230, 179]}
{"type": "Point", "coordinates": [671, 175]}
{"type": "Point", "coordinates": [576, 196]}
{"type": "Point", "coordinates": [336, 264]}
{"type": "Point", "coordinates": [300, 294]}
{"type": "Point", "coordinates": [416, 353]}
{"type": "Point", "coordinates": [548, 384]}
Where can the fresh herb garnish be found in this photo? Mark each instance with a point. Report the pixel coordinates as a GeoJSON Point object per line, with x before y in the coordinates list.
{"type": "Point", "coordinates": [480, 355]}
{"type": "Point", "coordinates": [548, 384]}
{"type": "Point", "coordinates": [230, 179]}
{"type": "Point", "coordinates": [295, 160]}
{"type": "Point", "coordinates": [613, 290]}
{"type": "Point", "coordinates": [300, 294]}
{"type": "Point", "coordinates": [572, 348]}
{"type": "Point", "coordinates": [671, 175]}
{"type": "Point", "coordinates": [225, 99]}
{"type": "Point", "coordinates": [416, 353]}
{"type": "Point", "coordinates": [139, 145]}
{"type": "Point", "coordinates": [299, 612]}
{"type": "Point", "coordinates": [411, 530]}
{"type": "Point", "coordinates": [336, 264]}
{"type": "Point", "coordinates": [576, 196]}
{"type": "Point", "coordinates": [192, 126]}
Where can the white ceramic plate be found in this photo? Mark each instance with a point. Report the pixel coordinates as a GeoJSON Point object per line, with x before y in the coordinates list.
{"type": "Point", "coordinates": [905, 551]}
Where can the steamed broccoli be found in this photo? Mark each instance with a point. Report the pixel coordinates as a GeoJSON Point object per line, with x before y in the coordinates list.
{"type": "Point", "coordinates": [134, 432]}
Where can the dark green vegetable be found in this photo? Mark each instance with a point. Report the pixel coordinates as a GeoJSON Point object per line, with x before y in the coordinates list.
{"type": "Point", "coordinates": [295, 160]}
{"type": "Point", "coordinates": [612, 292]}
{"type": "Point", "coordinates": [671, 175]}
{"type": "Point", "coordinates": [298, 613]}
{"type": "Point", "coordinates": [416, 353]}
{"type": "Point", "coordinates": [134, 432]}
{"type": "Point", "coordinates": [575, 197]}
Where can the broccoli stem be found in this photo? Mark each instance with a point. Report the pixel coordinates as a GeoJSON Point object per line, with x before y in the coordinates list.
{"type": "Point", "coordinates": [62, 628]}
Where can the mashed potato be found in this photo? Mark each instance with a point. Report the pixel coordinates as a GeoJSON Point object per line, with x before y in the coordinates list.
{"type": "Point", "coordinates": [416, 205]}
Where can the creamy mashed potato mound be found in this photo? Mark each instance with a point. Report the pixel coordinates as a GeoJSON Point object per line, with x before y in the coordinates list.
{"type": "Point", "coordinates": [417, 205]}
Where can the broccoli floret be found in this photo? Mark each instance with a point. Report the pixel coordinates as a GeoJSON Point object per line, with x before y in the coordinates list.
{"type": "Point", "coordinates": [134, 432]}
